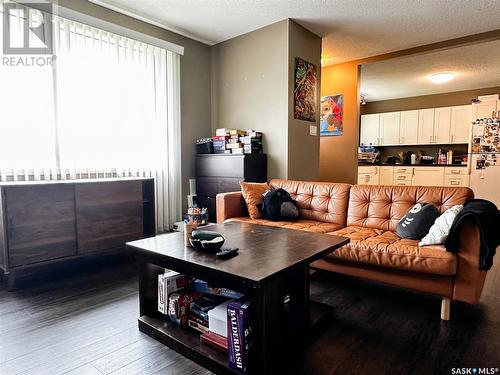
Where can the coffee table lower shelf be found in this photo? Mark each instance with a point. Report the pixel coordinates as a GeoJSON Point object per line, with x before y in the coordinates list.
{"type": "Point", "coordinates": [187, 342]}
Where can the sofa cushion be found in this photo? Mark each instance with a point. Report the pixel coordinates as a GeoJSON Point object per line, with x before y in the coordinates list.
{"type": "Point", "coordinates": [301, 224]}
{"type": "Point", "coordinates": [386, 249]}
{"type": "Point", "coordinates": [381, 207]}
{"type": "Point", "coordinates": [318, 201]}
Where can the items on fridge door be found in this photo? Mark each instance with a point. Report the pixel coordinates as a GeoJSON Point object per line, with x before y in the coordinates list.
{"type": "Point", "coordinates": [486, 135]}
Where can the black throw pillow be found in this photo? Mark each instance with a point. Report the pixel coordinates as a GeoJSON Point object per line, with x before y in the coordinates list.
{"type": "Point", "coordinates": [417, 222]}
{"type": "Point", "coordinates": [277, 204]}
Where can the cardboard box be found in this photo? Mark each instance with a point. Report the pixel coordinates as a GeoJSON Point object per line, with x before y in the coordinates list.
{"type": "Point", "coordinates": [169, 282]}
{"type": "Point", "coordinates": [217, 319]}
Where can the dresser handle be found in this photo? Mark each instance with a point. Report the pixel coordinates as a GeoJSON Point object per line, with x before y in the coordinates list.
{"type": "Point", "coordinates": [454, 182]}
{"type": "Point", "coordinates": [455, 171]}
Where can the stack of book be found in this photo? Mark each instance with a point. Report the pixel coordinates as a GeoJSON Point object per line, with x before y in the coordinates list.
{"type": "Point", "coordinates": [221, 315]}
{"type": "Point", "coordinates": [236, 141]}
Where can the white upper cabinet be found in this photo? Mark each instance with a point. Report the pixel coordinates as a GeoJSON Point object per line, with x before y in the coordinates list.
{"type": "Point", "coordinates": [408, 129]}
{"type": "Point", "coordinates": [425, 126]}
{"type": "Point", "coordinates": [484, 108]}
{"type": "Point", "coordinates": [442, 125]}
{"type": "Point", "coordinates": [369, 131]}
{"type": "Point", "coordinates": [389, 128]}
{"type": "Point", "coordinates": [461, 119]}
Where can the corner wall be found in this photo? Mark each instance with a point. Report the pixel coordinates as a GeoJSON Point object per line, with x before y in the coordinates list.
{"type": "Point", "coordinates": [338, 155]}
{"type": "Point", "coordinates": [249, 89]}
{"type": "Point", "coordinates": [303, 149]}
{"type": "Point", "coordinates": [252, 88]}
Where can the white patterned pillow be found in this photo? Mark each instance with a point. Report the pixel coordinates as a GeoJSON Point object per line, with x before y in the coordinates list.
{"type": "Point", "coordinates": [441, 228]}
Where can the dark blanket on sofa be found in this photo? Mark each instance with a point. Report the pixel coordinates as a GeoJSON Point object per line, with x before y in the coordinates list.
{"type": "Point", "coordinates": [487, 217]}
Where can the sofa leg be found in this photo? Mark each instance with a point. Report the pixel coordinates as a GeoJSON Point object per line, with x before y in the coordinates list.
{"type": "Point", "coordinates": [445, 308]}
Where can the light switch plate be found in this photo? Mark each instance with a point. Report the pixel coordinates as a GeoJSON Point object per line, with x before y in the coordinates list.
{"type": "Point", "coordinates": [313, 130]}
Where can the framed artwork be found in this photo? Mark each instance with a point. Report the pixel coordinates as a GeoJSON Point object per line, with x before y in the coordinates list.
{"type": "Point", "coordinates": [332, 115]}
{"type": "Point", "coordinates": [304, 94]}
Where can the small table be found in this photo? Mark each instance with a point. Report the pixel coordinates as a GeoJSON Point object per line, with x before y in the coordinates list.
{"type": "Point", "coordinates": [272, 263]}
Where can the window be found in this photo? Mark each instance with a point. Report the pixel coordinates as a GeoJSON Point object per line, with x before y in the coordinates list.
{"type": "Point", "coordinates": [107, 107]}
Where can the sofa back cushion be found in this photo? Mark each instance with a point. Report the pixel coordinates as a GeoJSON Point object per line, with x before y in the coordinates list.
{"type": "Point", "coordinates": [381, 207]}
{"type": "Point", "coordinates": [321, 201]}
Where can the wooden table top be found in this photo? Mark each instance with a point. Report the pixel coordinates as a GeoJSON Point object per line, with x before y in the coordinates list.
{"type": "Point", "coordinates": [263, 250]}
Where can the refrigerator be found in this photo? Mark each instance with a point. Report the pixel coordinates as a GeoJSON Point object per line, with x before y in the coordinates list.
{"type": "Point", "coordinates": [485, 160]}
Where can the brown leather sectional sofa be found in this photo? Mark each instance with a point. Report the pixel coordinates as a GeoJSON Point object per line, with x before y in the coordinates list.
{"type": "Point", "coordinates": [368, 215]}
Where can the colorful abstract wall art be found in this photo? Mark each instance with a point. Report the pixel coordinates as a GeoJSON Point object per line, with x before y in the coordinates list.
{"type": "Point", "coordinates": [331, 117]}
{"type": "Point", "coordinates": [305, 88]}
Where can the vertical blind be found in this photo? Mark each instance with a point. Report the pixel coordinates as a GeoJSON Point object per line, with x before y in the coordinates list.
{"type": "Point", "coordinates": [108, 107]}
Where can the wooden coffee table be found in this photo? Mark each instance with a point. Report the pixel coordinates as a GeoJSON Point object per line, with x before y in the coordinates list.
{"type": "Point", "coordinates": [272, 263]}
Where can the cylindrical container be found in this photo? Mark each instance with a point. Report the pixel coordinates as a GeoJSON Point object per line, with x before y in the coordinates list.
{"type": "Point", "coordinates": [192, 186]}
{"type": "Point", "coordinates": [188, 229]}
{"type": "Point", "coordinates": [413, 159]}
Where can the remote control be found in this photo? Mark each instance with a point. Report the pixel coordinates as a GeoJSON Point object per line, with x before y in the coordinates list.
{"type": "Point", "coordinates": [227, 252]}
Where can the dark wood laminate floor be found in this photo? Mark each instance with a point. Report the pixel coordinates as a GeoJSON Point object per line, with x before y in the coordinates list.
{"type": "Point", "coordinates": [84, 321]}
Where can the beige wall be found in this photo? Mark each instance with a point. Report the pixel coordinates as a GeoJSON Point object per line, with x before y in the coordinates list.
{"type": "Point", "coordinates": [249, 78]}
{"type": "Point", "coordinates": [338, 155]}
{"type": "Point", "coordinates": [427, 101]}
{"type": "Point", "coordinates": [195, 79]}
{"type": "Point", "coordinates": [252, 88]}
{"type": "Point", "coordinates": [303, 149]}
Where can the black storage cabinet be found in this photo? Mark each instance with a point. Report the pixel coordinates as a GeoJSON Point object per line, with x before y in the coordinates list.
{"type": "Point", "coordinates": [221, 173]}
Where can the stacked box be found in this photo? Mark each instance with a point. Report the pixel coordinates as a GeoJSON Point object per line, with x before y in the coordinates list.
{"type": "Point", "coordinates": [178, 306]}
{"type": "Point", "coordinates": [169, 282]}
{"type": "Point", "coordinates": [215, 341]}
{"type": "Point", "coordinates": [239, 331]}
{"type": "Point", "coordinates": [239, 151]}
{"type": "Point", "coordinates": [223, 131]}
{"type": "Point", "coordinates": [217, 319]}
{"type": "Point", "coordinates": [219, 144]}
{"type": "Point", "coordinates": [203, 287]}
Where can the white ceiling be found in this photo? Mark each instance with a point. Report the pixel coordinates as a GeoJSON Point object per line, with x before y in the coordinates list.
{"type": "Point", "coordinates": [475, 66]}
{"type": "Point", "coordinates": [352, 29]}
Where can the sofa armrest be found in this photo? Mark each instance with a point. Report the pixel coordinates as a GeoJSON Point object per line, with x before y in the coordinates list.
{"type": "Point", "coordinates": [469, 279]}
{"type": "Point", "coordinates": [230, 205]}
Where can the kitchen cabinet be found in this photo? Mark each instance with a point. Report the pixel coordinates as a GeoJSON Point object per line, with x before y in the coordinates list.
{"type": "Point", "coordinates": [442, 125]}
{"type": "Point", "coordinates": [386, 175]}
{"type": "Point", "coordinates": [484, 108]}
{"type": "Point", "coordinates": [389, 128]}
{"type": "Point", "coordinates": [425, 126]}
{"type": "Point", "coordinates": [408, 128]}
{"type": "Point", "coordinates": [428, 176]}
{"type": "Point", "coordinates": [368, 175]}
{"type": "Point", "coordinates": [369, 131]}
{"type": "Point", "coordinates": [461, 118]}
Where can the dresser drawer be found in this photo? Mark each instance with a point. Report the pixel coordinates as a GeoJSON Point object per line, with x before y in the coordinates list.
{"type": "Point", "coordinates": [403, 170]}
{"type": "Point", "coordinates": [456, 180]}
{"type": "Point", "coordinates": [402, 178]}
{"type": "Point", "coordinates": [220, 166]}
{"type": "Point", "coordinates": [456, 171]}
{"type": "Point", "coordinates": [211, 186]}
{"type": "Point", "coordinates": [367, 170]}
{"type": "Point", "coordinates": [368, 179]}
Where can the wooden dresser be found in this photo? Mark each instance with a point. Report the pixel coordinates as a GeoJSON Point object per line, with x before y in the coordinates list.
{"type": "Point", "coordinates": [44, 222]}
{"type": "Point", "coordinates": [221, 173]}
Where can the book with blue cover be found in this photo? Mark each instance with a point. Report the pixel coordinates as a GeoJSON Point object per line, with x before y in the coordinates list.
{"type": "Point", "coordinates": [203, 287]}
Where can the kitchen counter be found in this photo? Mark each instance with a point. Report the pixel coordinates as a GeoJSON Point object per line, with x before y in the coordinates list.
{"type": "Point", "coordinates": [412, 165]}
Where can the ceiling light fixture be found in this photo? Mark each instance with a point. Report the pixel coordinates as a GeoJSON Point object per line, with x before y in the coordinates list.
{"type": "Point", "coordinates": [441, 77]}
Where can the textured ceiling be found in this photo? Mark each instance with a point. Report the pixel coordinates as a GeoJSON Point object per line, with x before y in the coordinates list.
{"type": "Point", "coordinates": [352, 29]}
{"type": "Point", "coordinates": [476, 66]}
